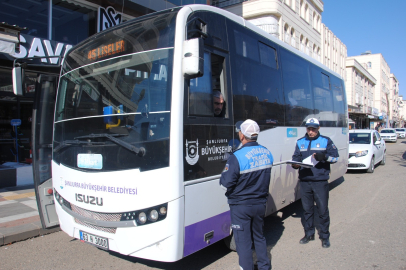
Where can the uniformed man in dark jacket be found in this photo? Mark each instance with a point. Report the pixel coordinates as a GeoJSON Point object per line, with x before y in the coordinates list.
{"type": "Point", "coordinates": [246, 177]}
{"type": "Point", "coordinates": [313, 181]}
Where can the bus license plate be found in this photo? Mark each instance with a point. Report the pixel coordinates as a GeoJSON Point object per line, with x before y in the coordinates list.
{"type": "Point", "coordinates": [95, 240]}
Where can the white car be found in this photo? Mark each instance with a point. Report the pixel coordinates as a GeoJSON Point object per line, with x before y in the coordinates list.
{"type": "Point", "coordinates": [366, 149]}
{"type": "Point", "coordinates": [389, 134]}
{"type": "Point", "coordinates": [401, 132]}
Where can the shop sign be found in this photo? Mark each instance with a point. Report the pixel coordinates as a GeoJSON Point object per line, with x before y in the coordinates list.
{"type": "Point", "coordinates": [15, 122]}
{"type": "Point", "coordinates": [36, 47]}
{"type": "Point", "coordinates": [375, 111]}
{"type": "Point", "coordinates": [107, 17]}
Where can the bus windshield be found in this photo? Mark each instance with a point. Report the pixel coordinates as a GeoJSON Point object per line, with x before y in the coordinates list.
{"type": "Point", "coordinates": [114, 114]}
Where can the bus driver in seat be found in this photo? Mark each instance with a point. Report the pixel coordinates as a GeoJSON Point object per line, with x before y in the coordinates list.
{"type": "Point", "coordinates": [218, 104]}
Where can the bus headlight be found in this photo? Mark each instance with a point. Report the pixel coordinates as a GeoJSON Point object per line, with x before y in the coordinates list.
{"type": "Point", "coordinates": [153, 215]}
{"type": "Point", "coordinates": [142, 218]}
{"type": "Point", "coordinates": [162, 210]}
{"type": "Point", "coordinates": [147, 215]}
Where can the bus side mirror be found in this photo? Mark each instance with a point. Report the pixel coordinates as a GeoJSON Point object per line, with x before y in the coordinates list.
{"type": "Point", "coordinates": [193, 58]}
{"type": "Point", "coordinates": [18, 77]}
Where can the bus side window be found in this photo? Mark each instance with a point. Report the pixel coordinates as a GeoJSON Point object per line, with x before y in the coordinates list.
{"type": "Point", "coordinates": [257, 91]}
{"type": "Point", "coordinates": [218, 86]}
{"type": "Point", "coordinates": [323, 99]}
{"type": "Point", "coordinates": [338, 101]}
{"type": "Point", "coordinates": [296, 85]}
{"type": "Point", "coordinates": [200, 100]}
{"type": "Point", "coordinates": [207, 94]}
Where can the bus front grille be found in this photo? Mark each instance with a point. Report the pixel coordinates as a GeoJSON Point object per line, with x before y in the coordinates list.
{"type": "Point", "coordinates": [99, 228]}
{"type": "Point", "coordinates": [96, 216]}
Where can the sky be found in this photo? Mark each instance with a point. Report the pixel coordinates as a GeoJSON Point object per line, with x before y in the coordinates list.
{"type": "Point", "coordinates": [371, 25]}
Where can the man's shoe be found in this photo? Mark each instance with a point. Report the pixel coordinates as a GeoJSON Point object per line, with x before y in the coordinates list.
{"type": "Point", "coordinates": [306, 239]}
{"type": "Point", "coordinates": [325, 243]}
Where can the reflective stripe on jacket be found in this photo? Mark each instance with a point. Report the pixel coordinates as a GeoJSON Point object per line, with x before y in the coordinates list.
{"type": "Point", "coordinates": [247, 174]}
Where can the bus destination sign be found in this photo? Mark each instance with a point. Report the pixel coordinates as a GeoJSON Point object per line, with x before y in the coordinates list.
{"type": "Point", "coordinates": [106, 50]}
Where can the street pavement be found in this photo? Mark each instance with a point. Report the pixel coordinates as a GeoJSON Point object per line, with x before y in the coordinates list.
{"type": "Point", "coordinates": [19, 219]}
{"type": "Point", "coordinates": [368, 232]}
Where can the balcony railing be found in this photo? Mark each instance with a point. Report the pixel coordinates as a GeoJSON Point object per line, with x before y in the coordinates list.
{"type": "Point", "coordinates": [270, 28]}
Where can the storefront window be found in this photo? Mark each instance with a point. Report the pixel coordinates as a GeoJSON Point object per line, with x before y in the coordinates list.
{"type": "Point", "coordinates": [72, 23]}
{"type": "Point", "coordinates": [26, 13]}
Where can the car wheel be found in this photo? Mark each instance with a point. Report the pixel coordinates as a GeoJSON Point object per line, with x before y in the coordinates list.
{"type": "Point", "coordinates": [371, 166]}
{"type": "Point", "coordinates": [383, 161]}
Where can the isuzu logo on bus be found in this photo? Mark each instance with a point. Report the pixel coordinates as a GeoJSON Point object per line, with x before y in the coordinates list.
{"type": "Point", "coordinates": [89, 199]}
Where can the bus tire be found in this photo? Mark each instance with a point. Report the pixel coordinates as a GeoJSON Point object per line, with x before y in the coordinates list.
{"type": "Point", "coordinates": [230, 242]}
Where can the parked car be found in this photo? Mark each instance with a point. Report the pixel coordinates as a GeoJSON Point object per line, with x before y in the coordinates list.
{"type": "Point", "coordinates": [366, 149]}
{"type": "Point", "coordinates": [401, 132]}
{"type": "Point", "coordinates": [389, 134]}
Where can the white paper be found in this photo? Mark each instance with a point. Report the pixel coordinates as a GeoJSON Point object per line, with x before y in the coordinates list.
{"type": "Point", "coordinates": [302, 164]}
{"type": "Point", "coordinates": [310, 160]}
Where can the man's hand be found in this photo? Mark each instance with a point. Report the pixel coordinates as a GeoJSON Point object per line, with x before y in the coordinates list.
{"type": "Point", "coordinates": [295, 166]}
{"type": "Point", "coordinates": [319, 156]}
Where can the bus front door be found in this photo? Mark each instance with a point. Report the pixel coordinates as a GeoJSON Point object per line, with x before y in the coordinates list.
{"type": "Point", "coordinates": [42, 128]}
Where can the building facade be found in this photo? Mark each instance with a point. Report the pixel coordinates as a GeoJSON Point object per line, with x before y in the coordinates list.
{"type": "Point", "coordinates": [360, 88]}
{"type": "Point", "coordinates": [334, 52]}
{"type": "Point", "coordinates": [394, 101]}
{"type": "Point", "coordinates": [380, 70]}
{"type": "Point", "coordinates": [43, 28]}
{"type": "Point", "coordinates": [402, 112]}
{"type": "Point", "coordinates": [296, 22]}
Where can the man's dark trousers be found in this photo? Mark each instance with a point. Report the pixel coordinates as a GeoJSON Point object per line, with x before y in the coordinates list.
{"type": "Point", "coordinates": [315, 191]}
{"type": "Point", "coordinates": [243, 217]}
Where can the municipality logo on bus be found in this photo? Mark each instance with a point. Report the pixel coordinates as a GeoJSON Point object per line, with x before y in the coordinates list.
{"type": "Point", "coordinates": [192, 151]}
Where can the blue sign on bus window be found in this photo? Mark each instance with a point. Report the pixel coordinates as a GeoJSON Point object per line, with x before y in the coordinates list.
{"type": "Point", "coordinates": [291, 132]}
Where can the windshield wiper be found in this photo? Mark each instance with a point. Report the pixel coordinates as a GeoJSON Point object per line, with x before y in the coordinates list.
{"type": "Point", "coordinates": [74, 142]}
{"type": "Point", "coordinates": [140, 151]}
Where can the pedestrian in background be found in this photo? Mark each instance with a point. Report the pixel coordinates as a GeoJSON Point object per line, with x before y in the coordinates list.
{"type": "Point", "coordinates": [246, 177]}
{"type": "Point", "coordinates": [313, 181]}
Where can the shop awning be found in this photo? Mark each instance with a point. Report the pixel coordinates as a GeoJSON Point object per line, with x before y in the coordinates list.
{"type": "Point", "coordinates": [7, 47]}
{"type": "Point", "coordinates": [9, 37]}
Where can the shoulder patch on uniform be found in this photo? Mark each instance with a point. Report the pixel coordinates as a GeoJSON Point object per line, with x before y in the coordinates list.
{"type": "Point", "coordinates": [225, 168]}
{"type": "Point", "coordinates": [334, 146]}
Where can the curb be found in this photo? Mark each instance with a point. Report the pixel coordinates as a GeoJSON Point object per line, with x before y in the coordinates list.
{"type": "Point", "coordinates": [16, 237]}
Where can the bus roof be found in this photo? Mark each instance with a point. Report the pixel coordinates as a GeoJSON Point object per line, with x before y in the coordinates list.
{"type": "Point", "coordinates": [251, 26]}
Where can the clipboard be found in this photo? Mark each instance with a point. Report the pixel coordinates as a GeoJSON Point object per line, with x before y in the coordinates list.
{"type": "Point", "coordinates": [305, 165]}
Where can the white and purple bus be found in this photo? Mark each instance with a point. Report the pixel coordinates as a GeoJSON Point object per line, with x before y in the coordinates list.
{"type": "Point", "coordinates": [137, 150]}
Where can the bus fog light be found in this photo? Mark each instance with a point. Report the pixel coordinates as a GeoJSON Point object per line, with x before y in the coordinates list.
{"type": "Point", "coordinates": [162, 210]}
{"type": "Point", "coordinates": [153, 215]}
{"type": "Point", "coordinates": [142, 218]}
